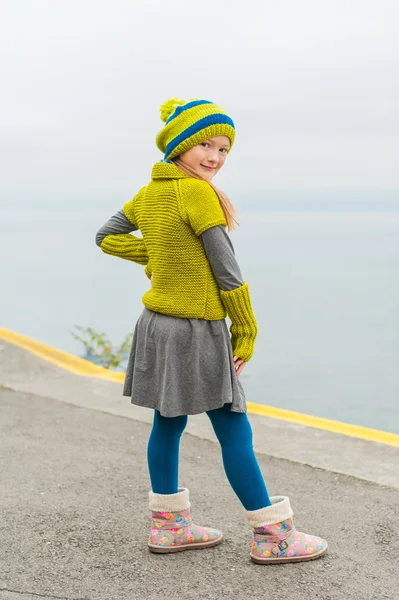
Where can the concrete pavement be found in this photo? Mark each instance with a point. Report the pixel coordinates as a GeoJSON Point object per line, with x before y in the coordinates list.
{"type": "Point", "coordinates": [75, 517]}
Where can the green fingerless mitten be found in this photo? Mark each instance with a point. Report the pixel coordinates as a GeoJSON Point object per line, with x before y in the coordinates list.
{"type": "Point", "coordinates": [126, 246]}
{"type": "Point", "coordinates": [244, 327]}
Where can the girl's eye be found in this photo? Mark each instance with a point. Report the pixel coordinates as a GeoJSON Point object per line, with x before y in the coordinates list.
{"type": "Point", "coordinates": [204, 144]}
{"type": "Point", "coordinates": [224, 150]}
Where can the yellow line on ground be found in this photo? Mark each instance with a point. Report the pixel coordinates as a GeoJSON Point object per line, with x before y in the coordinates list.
{"type": "Point", "coordinates": [80, 366]}
{"type": "Point", "coordinates": [364, 433]}
{"type": "Point", "coordinates": [71, 363]}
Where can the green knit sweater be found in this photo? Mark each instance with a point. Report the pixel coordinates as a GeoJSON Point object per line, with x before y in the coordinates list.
{"type": "Point", "coordinates": [171, 212]}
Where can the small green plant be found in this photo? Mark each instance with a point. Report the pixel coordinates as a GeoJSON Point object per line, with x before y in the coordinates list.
{"type": "Point", "coordinates": [99, 349]}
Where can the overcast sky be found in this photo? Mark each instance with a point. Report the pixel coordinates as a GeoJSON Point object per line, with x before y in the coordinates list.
{"type": "Point", "coordinates": [312, 86]}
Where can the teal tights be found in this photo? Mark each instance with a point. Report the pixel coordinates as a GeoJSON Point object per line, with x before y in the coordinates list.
{"type": "Point", "coordinates": [234, 433]}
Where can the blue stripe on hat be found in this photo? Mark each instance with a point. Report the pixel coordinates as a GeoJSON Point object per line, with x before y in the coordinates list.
{"type": "Point", "coordinates": [182, 107]}
{"type": "Point", "coordinates": [217, 119]}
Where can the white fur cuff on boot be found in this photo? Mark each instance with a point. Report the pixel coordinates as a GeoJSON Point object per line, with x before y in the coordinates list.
{"type": "Point", "coordinates": [170, 502]}
{"type": "Point", "coordinates": [269, 515]}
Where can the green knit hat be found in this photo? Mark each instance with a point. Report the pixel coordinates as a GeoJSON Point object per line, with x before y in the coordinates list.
{"type": "Point", "coordinates": [189, 122]}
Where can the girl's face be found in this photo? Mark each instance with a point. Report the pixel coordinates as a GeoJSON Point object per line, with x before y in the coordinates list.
{"type": "Point", "coordinates": [208, 156]}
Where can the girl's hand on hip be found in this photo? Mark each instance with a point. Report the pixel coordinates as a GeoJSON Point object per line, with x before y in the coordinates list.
{"type": "Point", "coordinates": [239, 364]}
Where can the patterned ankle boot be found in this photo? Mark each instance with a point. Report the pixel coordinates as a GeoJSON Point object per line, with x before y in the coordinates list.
{"type": "Point", "coordinates": [172, 526]}
{"type": "Point", "coordinates": [275, 538]}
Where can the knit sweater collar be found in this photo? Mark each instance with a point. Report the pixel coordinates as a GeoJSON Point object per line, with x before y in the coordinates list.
{"type": "Point", "coordinates": [167, 170]}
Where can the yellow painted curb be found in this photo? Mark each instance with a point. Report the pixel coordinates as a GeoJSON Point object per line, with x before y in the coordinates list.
{"type": "Point", "coordinates": [357, 431]}
{"type": "Point", "coordinates": [80, 366]}
{"type": "Point", "coordinates": [71, 363]}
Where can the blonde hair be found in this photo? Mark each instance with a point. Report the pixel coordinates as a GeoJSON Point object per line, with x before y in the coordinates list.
{"type": "Point", "coordinates": [226, 204]}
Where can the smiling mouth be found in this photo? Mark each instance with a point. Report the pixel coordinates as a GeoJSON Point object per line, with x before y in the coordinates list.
{"type": "Point", "coordinates": [209, 168]}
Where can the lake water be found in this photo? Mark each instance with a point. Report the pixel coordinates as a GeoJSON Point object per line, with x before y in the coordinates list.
{"type": "Point", "coordinates": [324, 288]}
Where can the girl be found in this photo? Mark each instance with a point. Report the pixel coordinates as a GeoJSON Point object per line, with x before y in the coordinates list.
{"type": "Point", "coordinates": [182, 360]}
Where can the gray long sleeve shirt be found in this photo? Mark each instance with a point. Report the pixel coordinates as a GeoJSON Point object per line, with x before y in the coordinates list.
{"type": "Point", "coordinates": [217, 244]}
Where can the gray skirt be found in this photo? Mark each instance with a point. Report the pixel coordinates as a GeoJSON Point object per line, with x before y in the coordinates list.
{"type": "Point", "coordinates": [182, 366]}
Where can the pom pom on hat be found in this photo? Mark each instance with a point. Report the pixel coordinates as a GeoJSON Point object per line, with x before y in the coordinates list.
{"type": "Point", "coordinates": [169, 107]}
{"type": "Point", "coordinates": [189, 122]}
